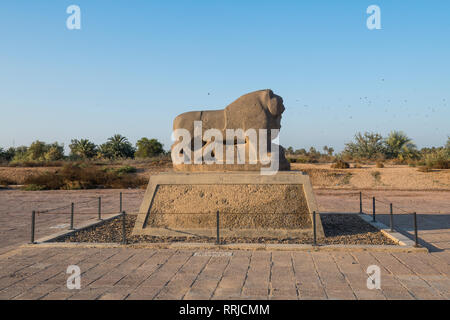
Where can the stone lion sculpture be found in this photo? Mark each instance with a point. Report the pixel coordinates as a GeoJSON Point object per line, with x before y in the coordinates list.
{"type": "Point", "coordinates": [256, 110]}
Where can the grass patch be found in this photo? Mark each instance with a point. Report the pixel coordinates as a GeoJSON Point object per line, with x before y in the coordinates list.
{"type": "Point", "coordinates": [438, 160]}
{"type": "Point", "coordinates": [126, 169]}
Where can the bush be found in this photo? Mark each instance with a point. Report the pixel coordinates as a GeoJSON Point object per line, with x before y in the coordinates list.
{"type": "Point", "coordinates": [75, 176]}
{"type": "Point", "coordinates": [126, 169]}
{"type": "Point", "coordinates": [7, 155]}
{"type": "Point", "coordinates": [366, 146]}
{"type": "Point", "coordinates": [437, 160]}
{"type": "Point", "coordinates": [147, 148]}
{"type": "Point", "coordinates": [357, 166]}
{"type": "Point", "coordinates": [39, 151]}
{"type": "Point", "coordinates": [339, 164]}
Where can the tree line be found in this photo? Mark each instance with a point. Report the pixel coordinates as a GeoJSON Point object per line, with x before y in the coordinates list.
{"type": "Point", "coordinates": [116, 147]}
{"type": "Point", "coordinates": [370, 146]}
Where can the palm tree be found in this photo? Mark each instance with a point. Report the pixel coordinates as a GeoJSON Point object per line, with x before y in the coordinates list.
{"type": "Point", "coordinates": [83, 148]}
{"type": "Point", "coordinates": [328, 150]}
{"type": "Point", "coordinates": [399, 143]}
{"type": "Point", "coordinates": [120, 147]}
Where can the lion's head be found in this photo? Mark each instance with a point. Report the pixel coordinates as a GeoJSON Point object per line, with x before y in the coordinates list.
{"type": "Point", "coordinates": [261, 107]}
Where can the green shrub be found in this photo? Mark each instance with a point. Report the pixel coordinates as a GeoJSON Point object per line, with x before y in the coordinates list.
{"type": "Point", "coordinates": [126, 169]}
{"type": "Point", "coordinates": [437, 160]}
{"type": "Point", "coordinates": [147, 148]}
{"type": "Point", "coordinates": [33, 187]}
{"type": "Point", "coordinates": [39, 151]}
{"type": "Point", "coordinates": [366, 146]}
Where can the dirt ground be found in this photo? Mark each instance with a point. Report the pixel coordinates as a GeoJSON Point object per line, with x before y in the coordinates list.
{"type": "Point", "coordinates": [391, 177]}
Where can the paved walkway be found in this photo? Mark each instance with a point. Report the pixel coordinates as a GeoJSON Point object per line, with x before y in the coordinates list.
{"type": "Point", "coordinates": [118, 273]}
{"type": "Point", "coordinates": [128, 273]}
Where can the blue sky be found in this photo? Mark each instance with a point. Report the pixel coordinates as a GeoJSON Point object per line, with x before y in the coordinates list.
{"type": "Point", "coordinates": [135, 65]}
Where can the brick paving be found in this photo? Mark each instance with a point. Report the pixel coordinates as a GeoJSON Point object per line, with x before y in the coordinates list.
{"type": "Point", "coordinates": [131, 273]}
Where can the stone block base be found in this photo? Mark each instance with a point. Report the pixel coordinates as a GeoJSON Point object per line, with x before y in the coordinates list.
{"type": "Point", "coordinates": [249, 204]}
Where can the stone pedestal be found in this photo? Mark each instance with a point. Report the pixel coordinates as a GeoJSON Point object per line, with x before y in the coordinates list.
{"type": "Point", "coordinates": [249, 205]}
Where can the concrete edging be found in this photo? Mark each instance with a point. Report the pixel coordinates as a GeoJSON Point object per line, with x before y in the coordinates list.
{"type": "Point", "coordinates": [234, 246]}
{"type": "Point", "coordinates": [401, 239]}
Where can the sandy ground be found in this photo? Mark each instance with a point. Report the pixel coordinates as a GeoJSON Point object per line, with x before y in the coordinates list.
{"type": "Point", "coordinates": [20, 174]}
{"type": "Point", "coordinates": [391, 177]}
{"type": "Point", "coordinates": [397, 177]}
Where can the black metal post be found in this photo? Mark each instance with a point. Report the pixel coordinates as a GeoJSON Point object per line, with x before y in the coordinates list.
{"type": "Point", "coordinates": [124, 235]}
{"type": "Point", "coordinates": [416, 237]}
{"type": "Point", "coordinates": [71, 215]}
{"type": "Point", "coordinates": [360, 202]}
{"type": "Point", "coordinates": [33, 221]}
{"type": "Point", "coordinates": [392, 217]}
{"type": "Point", "coordinates": [218, 227]}
{"type": "Point", "coordinates": [120, 202]}
{"type": "Point", "coordinates": [99, 208]}
{"type": "Point", "coordinates": [373, 208]}
{"type": "Point", "coordinates": [314, 228]}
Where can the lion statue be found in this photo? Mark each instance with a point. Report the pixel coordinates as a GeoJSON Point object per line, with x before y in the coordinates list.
{"type": "Point", "coordinates": [256, 110]}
